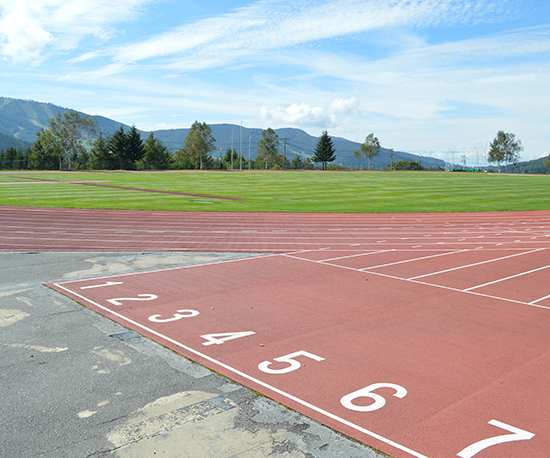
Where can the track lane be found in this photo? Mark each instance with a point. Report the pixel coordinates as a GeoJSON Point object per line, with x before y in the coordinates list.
{"type": "Point", "coordinates": [464, 359]}
{"type": "Point", "coordinates": [74, 229]}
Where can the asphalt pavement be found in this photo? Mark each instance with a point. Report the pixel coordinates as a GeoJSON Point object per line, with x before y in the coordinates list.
{"type": "Point", "coordinates": [74, 383]}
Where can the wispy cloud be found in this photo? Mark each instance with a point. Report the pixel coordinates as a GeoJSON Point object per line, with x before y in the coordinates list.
{"type": "Point", "coordinates": [276, 24]}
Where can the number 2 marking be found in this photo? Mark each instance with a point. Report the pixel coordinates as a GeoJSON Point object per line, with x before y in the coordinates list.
{"type": "Point", "coordinates": [517, 435]}
{"type": "Point", "coordinates": [141, 297]}
{"type": "Point", "coordinates": [264, 366]}
{"type": "Point", "coordinates": [367, 392]}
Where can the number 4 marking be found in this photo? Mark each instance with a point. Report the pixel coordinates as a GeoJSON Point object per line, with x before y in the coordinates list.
{"type": "Point", "coordinates": [217, 339]}
{"type": "Point", "coordinates": [517, 435]}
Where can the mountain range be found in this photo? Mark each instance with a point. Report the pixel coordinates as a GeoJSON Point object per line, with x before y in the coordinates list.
{"type": "Point", "coordinates": [20, 120]}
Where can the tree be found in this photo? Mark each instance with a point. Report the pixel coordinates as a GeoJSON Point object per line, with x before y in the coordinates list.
{"type": "Point", "coordinates": [504, 148]}
{"type": "Point", "coordinates": [199, 143]}
{"type": "Point", "coordinates": [101, 156]}
{"type": "Point", "coordinates": [156, 154]}
{"type": "Point", "coordinates": [268, 150]}
{"type": "Point", "coordinates": [118, 145]}
{"type": "Point", "coordinates": [230, 158]}
{"type": "Point", "coordinates": [70, 130]}
{"type": "Point", "coordinates": [297, 163]}
{"type": "Point", "coordinates": [135, 146]}
{"type": "Point", "coordinates": [405, 165]}
{"type": "Point", "coordinates": [369, 149]}
{"type": "Point", "coordinates": [324, 151]}
{"type": "Point", "coordinates": [546, 163]}
{"type": "Point", "coordinates": [45, 154]}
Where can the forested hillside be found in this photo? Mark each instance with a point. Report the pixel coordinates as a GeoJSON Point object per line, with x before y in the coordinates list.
{"type": "Point", "coordinates": [23, 119]}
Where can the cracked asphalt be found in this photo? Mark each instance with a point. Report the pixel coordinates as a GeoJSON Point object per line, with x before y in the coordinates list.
{"type": "Point", "coordinates": [76, 384]}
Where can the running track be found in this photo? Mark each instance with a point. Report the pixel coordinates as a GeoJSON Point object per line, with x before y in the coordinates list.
{"type": "Point", "coordinates": [24, 229]}
{"type": "Point", "coordinates": [421, 335]}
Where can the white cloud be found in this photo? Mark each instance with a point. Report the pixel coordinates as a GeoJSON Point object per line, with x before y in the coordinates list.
{"type": "Point", "coordinates": [304, 115]}
{"type": "Point", "coordinates": [21, 30]}
{"type": "Point", "coordinates": [28, 26]}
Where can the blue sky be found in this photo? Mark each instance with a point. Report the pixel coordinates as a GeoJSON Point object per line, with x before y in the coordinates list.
{"type": "Point", "coordinates": [422, 75]}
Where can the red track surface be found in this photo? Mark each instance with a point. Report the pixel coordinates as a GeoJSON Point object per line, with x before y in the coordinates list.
{"type": "Point", "coordinates": [421, 335]}
{"type": "Point", "coordinates": [53, 229]}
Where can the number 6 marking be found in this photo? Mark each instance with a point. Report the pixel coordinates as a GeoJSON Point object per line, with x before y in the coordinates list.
{"type": "Point", "coordinates": [379, 401]}
{"type": "Point", "coordinates": [177, 316]}
{"type": "Point", "coordinates": [264, 367]}
{"type": "Point", "coordinates": [517, 435]}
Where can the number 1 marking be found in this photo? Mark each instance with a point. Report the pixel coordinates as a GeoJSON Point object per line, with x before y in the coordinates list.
{"type": "Point", "coordinates": [109, 283]}
{"type": "Point", "coordinates": [517, 435]}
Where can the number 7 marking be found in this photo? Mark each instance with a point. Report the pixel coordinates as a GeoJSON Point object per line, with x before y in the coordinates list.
{"type": "Point", "coordinates": [517, 435]}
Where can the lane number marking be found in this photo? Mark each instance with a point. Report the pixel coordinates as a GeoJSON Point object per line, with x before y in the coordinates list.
{"type": "Point", "coordinates": [367, 392]}
{"type": "Point", "coordinates": [218, 339]}
{"type": "Point", "coordinates": [517, 435]}
{"type": "Point", "coordinates": [141, 297]}
{"type": "Point", "coordinates": [177, 316]}
{"type": "Point", "coordinates": [109, 283]}
{"type": "Point", "coordinates": [293, 364]}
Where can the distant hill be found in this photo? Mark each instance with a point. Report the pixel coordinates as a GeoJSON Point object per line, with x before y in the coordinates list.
{"type": "Point", "coordinates": [534, 166]}
{"type": "Point", "coordinates": [23, 119]}
{"type": "Point", "coordinates": [7, 141]}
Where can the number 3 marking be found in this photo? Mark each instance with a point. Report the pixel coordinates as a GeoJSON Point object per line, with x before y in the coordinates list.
{"type": "Point", "coordinates": [177, 316]}
{"type": "Point", "coordinates": [264, 367]}
{"type": "Point", "coordinates": [379, 401]}
{"type": "Point", "coordinates": [517, 435]}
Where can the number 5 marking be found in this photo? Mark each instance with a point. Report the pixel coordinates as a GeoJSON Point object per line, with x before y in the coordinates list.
{"type": "Point", "coordinates": [264, 367]}
{"type": "Point", "coordinates": [517, 435]}
{"type": "Point", "coordinates": [177, 316]}
{"type": "Point", "coordinates": [379, 401]}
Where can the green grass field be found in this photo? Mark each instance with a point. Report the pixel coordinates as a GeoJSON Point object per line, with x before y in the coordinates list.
{"type": "Point", "coordinates": [354, 192]}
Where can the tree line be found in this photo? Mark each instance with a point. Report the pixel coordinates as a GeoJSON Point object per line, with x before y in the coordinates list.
{"type": "Point", "coordinates": [71, 143]}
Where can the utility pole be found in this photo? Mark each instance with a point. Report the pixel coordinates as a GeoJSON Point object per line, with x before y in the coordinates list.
{"type": "Point", "coordinates": [241, 151]}
{"type": "Point", "coordinates": [391, 157]}
{"type": "Point", "coordinates": [284, 140]}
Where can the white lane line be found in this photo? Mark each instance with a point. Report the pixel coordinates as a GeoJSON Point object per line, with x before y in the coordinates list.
{"type": "Point", "coordinates": [433, 285]}
{"type": "Point", "coordinates": [355, 255]}
{"type": "Point", "coordinates": [475, 264]}
{"type": "Point", "coordinates": [538, 300]}
{"type": "Point", "coordinates": [507, 278]}
{"type": "Point", "coordinates": [414, 259]}
{"type": "Point", "coordinates": [252, 379]}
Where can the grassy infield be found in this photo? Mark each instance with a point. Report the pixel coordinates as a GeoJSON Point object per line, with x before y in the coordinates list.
{"type": "Point", "coordinates": [285, 191]}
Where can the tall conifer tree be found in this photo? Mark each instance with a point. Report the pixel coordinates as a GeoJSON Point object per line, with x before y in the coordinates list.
{"type": "Point", "coordinates": [324, 151]}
